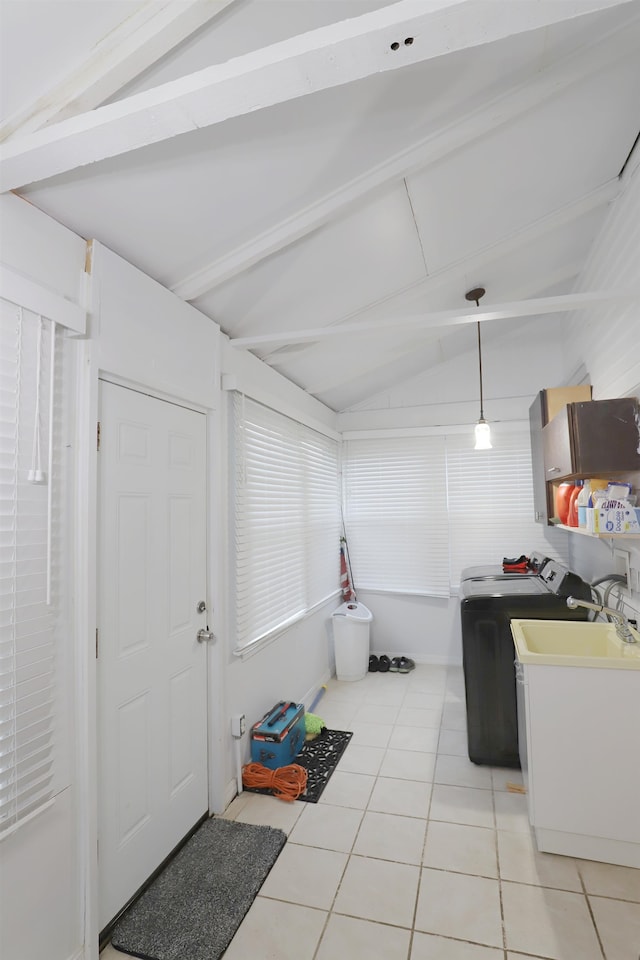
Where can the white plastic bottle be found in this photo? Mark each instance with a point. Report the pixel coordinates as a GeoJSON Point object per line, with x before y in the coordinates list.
{"type": "Point", "coordinates": [583, 503]}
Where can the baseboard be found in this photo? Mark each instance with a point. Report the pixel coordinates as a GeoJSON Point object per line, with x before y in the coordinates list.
{"type": "Point", "coordinates": [621, 852]}
{"type": "Point", "coordinates": [437, 661]}
{"type": "Point", "coordinates": [231, 792]}
{"type": "Point", "coordinates": [313, 691]}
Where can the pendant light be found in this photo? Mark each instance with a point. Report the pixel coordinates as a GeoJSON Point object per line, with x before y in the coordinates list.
{"type": "Point", "coordinates": [482, 429]}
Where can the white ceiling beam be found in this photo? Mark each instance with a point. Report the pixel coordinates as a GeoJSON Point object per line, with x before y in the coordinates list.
{"type": "Point", "coordinates": [443, 318]}
{"type": "Point", "coordinates": [407, 299]}
{"type": "Point", "coordinates": [471, 265]}
{"type": "Point", "coordinates": [589, 59]}
{"type": "Point", "coordinates": [135, 45]}
{"type": "Point", "coordinates": [318, 60]}
{"type": "Point", "coordinates": [561, 274]}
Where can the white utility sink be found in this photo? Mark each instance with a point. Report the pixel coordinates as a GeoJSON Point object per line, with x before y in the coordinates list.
{"type": "Point", "coordinates": [578, 694]}
{"type": "Point", "coordinates": [574, 643]}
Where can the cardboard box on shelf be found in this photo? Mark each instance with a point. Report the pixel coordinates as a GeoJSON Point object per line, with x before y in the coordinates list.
{"type": "Point", "coordinates": [613, 516]}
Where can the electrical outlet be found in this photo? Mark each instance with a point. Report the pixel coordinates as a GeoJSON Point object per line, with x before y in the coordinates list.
{"type": "Point", "coordinates": [238, 725]}
{"type": "Point", "coordinates": [621, 564]}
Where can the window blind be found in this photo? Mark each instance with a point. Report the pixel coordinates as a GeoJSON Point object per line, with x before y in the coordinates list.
{"type": "Point", "coordinates": [490, 503]}
{"type": "Point", "coordinates": [30, 560]}
{"type": "Point", "coordinates": [286, 519]}
{"type": "Point", "coordinates": [396, 514]}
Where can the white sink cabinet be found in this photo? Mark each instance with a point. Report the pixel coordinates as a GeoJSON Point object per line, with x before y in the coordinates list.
{"type": "Point", "coordinates": [579, 735]}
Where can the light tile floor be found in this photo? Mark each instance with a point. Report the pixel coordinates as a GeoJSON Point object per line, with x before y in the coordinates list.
{"type": "Point", "coordinates": [415, 853]}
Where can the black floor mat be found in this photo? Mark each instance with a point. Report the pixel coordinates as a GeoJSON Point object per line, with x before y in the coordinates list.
{"type": "Point", "coordinates": [319, 757]}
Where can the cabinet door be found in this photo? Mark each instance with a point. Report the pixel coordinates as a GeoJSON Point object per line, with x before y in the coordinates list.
{"type": "Point", "coordinates": [558, 446]}
{"type": "Point", "coordinates": [605, 436]}
{"type": "Point", "coordinates": [537, 419]}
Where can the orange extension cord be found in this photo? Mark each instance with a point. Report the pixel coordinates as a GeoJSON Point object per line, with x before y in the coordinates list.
{"type": "Point", "coordinates": [287, 782]}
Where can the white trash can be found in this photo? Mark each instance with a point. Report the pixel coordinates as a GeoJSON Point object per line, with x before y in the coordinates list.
{"type": "Point", "coordinates": [351, 640]}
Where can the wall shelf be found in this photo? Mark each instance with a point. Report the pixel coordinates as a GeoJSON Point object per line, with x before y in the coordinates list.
{"type": "Point", "coordinates": [597, 536]}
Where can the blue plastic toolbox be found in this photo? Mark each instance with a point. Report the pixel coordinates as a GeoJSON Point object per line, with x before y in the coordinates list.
{"type": "Point", "coordinates": [278, 738]}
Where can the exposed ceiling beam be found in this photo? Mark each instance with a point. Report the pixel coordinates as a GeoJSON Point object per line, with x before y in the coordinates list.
{"type": "Point", "coordinates": [562, 274]}
{"type": "Point", "coordinates": [137, 43]}
{"type": "Point", "coordinates": [406, 299]}
{"type": "Point", "coordinates": [443, 318]}
{"type": "Point", "coordinates": [395, 36]}
{"type": "Point", "coordinates": [588, 60]}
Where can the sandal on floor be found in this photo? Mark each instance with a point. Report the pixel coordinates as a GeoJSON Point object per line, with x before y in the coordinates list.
{"type": "Point", "coordinates": [384, 663]}
{"type": "Point", "coordinates": [373, 663]}
{"type": "Point", "coordinates": [405, 665]}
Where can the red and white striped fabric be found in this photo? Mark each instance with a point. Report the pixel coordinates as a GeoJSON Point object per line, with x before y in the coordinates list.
{"type": "Point", "coordinates": [345, 582]}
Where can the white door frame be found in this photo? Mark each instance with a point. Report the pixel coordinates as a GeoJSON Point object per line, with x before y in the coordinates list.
{"type": "Point", "coordinates": [85, 620]}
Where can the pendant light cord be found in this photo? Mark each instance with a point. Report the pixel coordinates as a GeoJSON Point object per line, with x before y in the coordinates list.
{"type": "Point", "coordinates": [480, 369]}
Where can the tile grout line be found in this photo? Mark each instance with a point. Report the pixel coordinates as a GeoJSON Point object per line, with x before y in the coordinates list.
{"type": "Point", "coordinates": [495, 827]}
{"type": "Point", "coordinates": [495, 793]}
{"type": "Point", "coordinates": [589, 908]}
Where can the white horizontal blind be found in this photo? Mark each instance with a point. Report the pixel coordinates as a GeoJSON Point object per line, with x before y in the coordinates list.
{"type": "Point", "coordinates": [491, 514]}
{"type": "Point", "coordinates": [320, 456]}
{"type": "Point", "coordinates": [286, 519]}
{"type": "Point", "coordinates": [30, 560]}
{"type": "Point", "coordinates": [396, 514]}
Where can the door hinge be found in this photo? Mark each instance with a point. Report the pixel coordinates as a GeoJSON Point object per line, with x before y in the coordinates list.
{"type": "Point", "coordinates": [98, 436]}
{"type": "Point", "coordinates": [97, 641]}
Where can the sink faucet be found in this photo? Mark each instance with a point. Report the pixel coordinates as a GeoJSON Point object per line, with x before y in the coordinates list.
{"type": "Point", "coordinates": [623, 629]}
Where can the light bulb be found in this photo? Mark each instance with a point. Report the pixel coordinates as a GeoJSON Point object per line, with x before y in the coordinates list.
{"type": "Point", "coordinates": [483, 435]}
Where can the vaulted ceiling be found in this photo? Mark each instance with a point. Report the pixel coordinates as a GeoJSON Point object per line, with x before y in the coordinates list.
{"type": "Point", "coordinates": [326, 178]}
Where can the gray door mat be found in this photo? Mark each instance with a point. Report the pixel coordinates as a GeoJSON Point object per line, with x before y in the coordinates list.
{"type": "Point", "coordinates": [194, 907]}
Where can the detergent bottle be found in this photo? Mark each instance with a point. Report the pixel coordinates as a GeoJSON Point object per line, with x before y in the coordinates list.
{"type": "Point", "coordinates": [563, 495]}
{"type": "Point", "coordinates": [583, 502]}
{"type": "Point", "coordinates": [572, 516]}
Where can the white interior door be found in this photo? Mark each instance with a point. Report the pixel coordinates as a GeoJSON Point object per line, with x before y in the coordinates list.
{"type": "Point", "coordinates": [152, 686]}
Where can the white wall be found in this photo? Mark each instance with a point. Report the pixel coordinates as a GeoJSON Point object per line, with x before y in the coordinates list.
{"type": "Point", "coordinates": [143, 335]}
{"type": "Point", "coordinates": [41, 897]}
{"type": "Point", "coordinates": [300, 659]}
{"type": "Point", "coordinates": [606, 341]}
{"type": "Point", "coordinates": [427, 629]}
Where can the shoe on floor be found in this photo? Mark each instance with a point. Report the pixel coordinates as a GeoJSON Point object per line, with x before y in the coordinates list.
{"type": "Point", "coordinates": [384, 663]}
{"type": "Point", "coordinates": [395, 664]}
{"type": "Point", "coordinates": [405, 665]}
{"type": "Point", "coordinates": [373, 663]}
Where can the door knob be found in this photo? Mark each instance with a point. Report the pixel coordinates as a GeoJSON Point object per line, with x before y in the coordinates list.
{"type": "Point", "coordinates": [204, 635]}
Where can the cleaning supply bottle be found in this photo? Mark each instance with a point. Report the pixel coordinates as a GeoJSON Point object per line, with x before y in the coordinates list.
{"type": "Point", "coordinates": [596, 484]}
{"type": "Point", "coordinates": [572, 516]}
{"type": "Point", "coordinates": [563, 494]}
{"type": "Point", "coordinates": [583, 502]}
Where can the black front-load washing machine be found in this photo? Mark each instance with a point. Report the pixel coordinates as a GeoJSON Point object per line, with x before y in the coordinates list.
{"type": "Point", "coordinates": [486, 609]}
